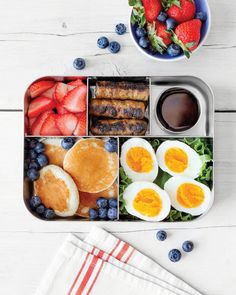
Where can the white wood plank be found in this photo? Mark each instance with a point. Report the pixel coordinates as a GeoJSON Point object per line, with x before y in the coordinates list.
{"type": "Point", "coordinates": [14, 215]}
{"type": "Point", "coordinates": [43, 38]}
{"type": "Point", "coordinates": [210, 267]}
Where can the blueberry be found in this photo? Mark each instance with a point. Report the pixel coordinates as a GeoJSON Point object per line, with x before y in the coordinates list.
{"type": "Point", "coordinates": [170, 23]}
{"type": "Point", "coordinates": [143, 42]}
{"type": "Point", "coordinates": [67, 143]}
{"type": "Point", "coordinates": [173, 50]}
{"type": "Point", "coordinates": [161, 235]}
{"type": "Point", "coordinates": [114, 47]}
{"type": "Point", "coordinates": [93, 214]}
{"type": "Point", "coordinates": [162, 16]}
{"type": "Point", "coordinates": [33, 143]}
{"type": "Point", "coordinates": [112, 203]}
{"type": "Point", "coordinates": [111, 145]}
{"type": "Point", "coordinates": [34, 164]}
{"type": "Point", "coordinates": [102, 213]}
{"type": "Point", "coordinates": [102, 202]}
{"type": "Point", "coordinates": [102, 42]}
{"type": "Point", "coordinates": [112, 213]}
{"type": "Point", "coordinates": [40, 209]}
{"type": "Point", "coordinates": [187, 246]}
{"type": "Point", "coordinates": [174, 255]}
{"type": "Point", "coordinates": [42, 160]}
{"type": "Point", "coordinates": [120, 29]}
{"type": "Point", "coordinates": [39, 148]}
{"type": "Point", "coordinates": [49, 214]}
{"type": "Point", "coordinates": [201, 15]}
{"type": "Point", "coordinates": [32, 154]}
{"type": "Point", "coordinates": [34, 202]}
{"type": "Point", "coordinates": [33, 174]}
{"type": "Point", "coordinates": [79, 63]}
{"type": "Point", "coordinates": [140, 32]}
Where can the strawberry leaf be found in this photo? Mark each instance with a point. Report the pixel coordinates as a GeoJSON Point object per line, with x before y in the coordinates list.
{"type": "Point", "coordinates": [138, 15]}
{"type": "Point", "coordinates": [168, 3]}
{"type": "Point", "coordinates": [190, 44]}
{"type": "Point", "coordinates": [184, 47]}
{"type": "Point", "coordinates": [157, 43]}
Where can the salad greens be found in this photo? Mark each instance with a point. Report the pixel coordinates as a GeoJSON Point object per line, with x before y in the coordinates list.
{"type": "Point", "coordinates": [203, 146]}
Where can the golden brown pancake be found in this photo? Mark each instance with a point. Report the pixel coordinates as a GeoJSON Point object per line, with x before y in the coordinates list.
{"type": "Point", "coordinates": [88, 200]}
{"type": "Point", "coordinates": [57, 190]}
{"type": "Point", "coordinates": [54, 151]}
{"type": "Point", "coordinates": [91, 166]}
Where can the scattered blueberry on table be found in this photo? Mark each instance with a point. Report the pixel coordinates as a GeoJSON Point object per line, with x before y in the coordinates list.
{"type": "Point", "coordinates": [120, 29]}
{"type": "Point", "coordinates": [161, 235]}
{"type": "Point", "coordinates": [67, 143]}
{"type": "Point", "coordinates": [114, 47]}
{"type": "Point", "coordinates": [111, 145]}
{"type": "Point", "coordinates": [102, 42]}
{"type": "Point", "coordinates": [187, 246]}
{"type": "Point", "coordinates": [79, 63]}
{"type": "Point", "coordinates": [174, 255]}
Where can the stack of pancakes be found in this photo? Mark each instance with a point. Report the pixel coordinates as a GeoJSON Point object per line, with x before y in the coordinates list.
{"type": "Point", "coordinates": [76, 178]}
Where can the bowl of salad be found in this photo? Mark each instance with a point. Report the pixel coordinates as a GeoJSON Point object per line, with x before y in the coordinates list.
{"type": "Point", "coordinates": [169, 30]}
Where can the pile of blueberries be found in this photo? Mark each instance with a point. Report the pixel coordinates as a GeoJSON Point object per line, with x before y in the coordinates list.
{"type": "Point", "coordinates": [35, 159]}
{"type": "Point", "coordinates": [103, 42]}
{"type": "Point", "coordinates": [175, 254]}
{"type": "Point", "coordinates": [37, 206]}
{"type": "Point", "coordinates": [106, 209]}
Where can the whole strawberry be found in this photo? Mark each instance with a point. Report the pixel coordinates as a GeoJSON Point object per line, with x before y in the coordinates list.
{"type": "Point", "coordinates": [162, 32]}
{"type": "Point", "coordinates": [187, 35]}
{"type": "Point", "coordinates": [181, 10]}
{"type": "Point", "coordinates": [152, 9]}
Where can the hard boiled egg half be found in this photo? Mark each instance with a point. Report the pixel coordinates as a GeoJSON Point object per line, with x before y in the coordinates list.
{"type": "Point", "coordinates": [188, 195]}
{"type": "Point", "coordinates": [146, 201]}
{"type": "Point", "coordinates": [139, 160]}
{"type": "Point", "coordinates": [177, 158]}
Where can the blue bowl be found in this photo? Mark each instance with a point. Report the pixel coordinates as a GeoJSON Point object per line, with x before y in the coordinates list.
{"type": "Point", "coordinates": [201, 5]}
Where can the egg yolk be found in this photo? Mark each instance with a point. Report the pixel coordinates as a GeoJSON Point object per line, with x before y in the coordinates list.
{"type": "Point", "coordinates": [148, 202]}
{"type": "Point", "coordinates": [176, 160]}
{"type": "Point", "coordinates": [190, 195]}
{"type": "Point", "coordinates": [139, 160]}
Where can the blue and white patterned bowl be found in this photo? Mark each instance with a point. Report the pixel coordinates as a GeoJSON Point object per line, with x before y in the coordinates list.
{"type": "Point", "coordinates": [201, 5]}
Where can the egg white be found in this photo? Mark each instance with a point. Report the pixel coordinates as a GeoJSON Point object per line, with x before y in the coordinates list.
{"type": "Point", "coordinates": [133, 175]}
{"type": "Point", "coordinates": [171, 187]}
{"type": "Point", "coordinates": [134, 188]}
{"type": "Point", "coordinates": [194, 160]}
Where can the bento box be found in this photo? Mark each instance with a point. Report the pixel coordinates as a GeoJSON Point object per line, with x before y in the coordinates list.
{"type": "Point", "coordinates": [119, 148]}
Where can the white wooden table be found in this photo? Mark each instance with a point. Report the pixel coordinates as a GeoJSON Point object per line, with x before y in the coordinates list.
{"type": "Point", "coordinates": [43, 37]}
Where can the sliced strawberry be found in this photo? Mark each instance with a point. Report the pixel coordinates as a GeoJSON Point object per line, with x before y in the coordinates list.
{"type": "Point", "coordinates": [61, 91]}
{"type": "Point", "coordinates": [75, 100]}
{"type": "Point", "coordinates": [50, 92]}
{"type": "Point", "coordinates": [67, 123]}
{"type": "Point", "coordinates": [37, 125]}
{"type": "Point", "coordinates": [80, 129]}
{"type": "Point", "coordinates": [39, 105]}
{"type": "Point", "coordinates": [31, 122]}
{"type": "Point", "coordinates": [49, 127]}
{"type": "Point", "coordinates": [60, 109]}
{"type": "Point", "coordinates": [39, 87]}
{"type": "Point", "coordinates": [77, 82]}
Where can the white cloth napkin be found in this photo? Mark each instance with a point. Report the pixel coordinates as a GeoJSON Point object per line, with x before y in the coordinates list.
{"type": "Point", "coordinates": [105, 265]}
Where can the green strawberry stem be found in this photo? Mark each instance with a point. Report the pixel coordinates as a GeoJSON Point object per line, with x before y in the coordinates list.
{"type": "Point", "coordinates": [138, 15]}
{"type": "Point", "coordinates": [185, 47]}
{"type": "Point", "coordinates": [168, 3]}
{"type": "Point", "coordinates": [156, 42]}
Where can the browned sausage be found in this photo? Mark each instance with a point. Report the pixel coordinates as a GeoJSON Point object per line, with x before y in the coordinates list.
{"type": "Point", "coordinates": [126, 109]}
{"type": "Point", "coordinates": [122, 90]}
{"type": "Point", "coordinates": [119, 127]}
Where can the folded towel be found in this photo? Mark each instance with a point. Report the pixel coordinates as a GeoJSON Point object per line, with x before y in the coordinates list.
{"type": "Point", "coordinates": [102, 264]}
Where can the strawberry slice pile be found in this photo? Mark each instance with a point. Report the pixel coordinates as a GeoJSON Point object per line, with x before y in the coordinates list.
{"type": "Point", "coordinates": [57, 108]}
